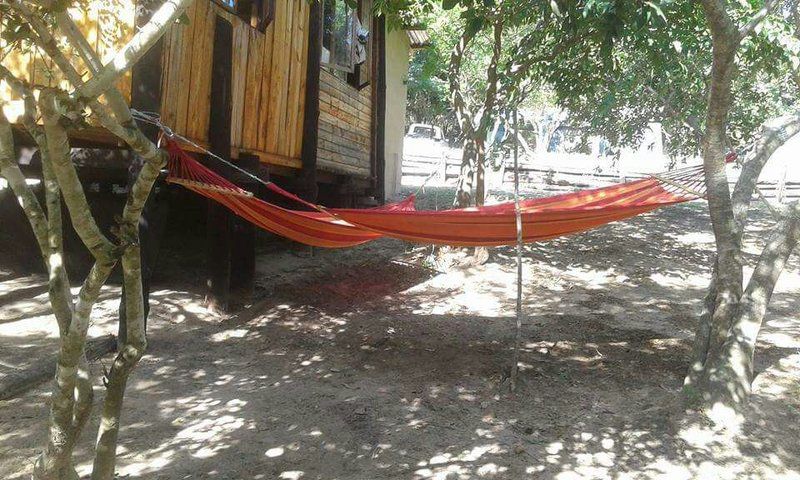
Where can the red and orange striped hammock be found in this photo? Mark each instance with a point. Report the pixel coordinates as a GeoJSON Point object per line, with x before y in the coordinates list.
{"type": "Point", "coordinates": [495, 225]}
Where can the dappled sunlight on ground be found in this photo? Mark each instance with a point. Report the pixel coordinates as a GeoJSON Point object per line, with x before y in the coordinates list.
{"type": "Point", "coordinates": [371, 364]}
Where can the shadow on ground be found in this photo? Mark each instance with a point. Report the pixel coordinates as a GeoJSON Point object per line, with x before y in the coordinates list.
{"type": "Point", "coordinates": [369, 365]}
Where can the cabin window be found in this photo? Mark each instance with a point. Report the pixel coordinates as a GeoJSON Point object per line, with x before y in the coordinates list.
{"type": "Point", "coordinates": [345, 41]}
{"type": "Point", "coordinates": [256, 13]}
{"type": "Point", "coordinates": [362, 74]}
{"type": "Point", "coordinates": [338, 35]}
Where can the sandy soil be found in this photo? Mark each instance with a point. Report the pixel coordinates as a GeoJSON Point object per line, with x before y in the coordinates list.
{"type": "Point", "coordinates": [369, 363]}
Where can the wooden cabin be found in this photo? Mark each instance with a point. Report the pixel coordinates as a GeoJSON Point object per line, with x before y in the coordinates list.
{"type": "Point", "coordinates": [293, 90]}
{"type": "Point", "coordinates": [301, 84]}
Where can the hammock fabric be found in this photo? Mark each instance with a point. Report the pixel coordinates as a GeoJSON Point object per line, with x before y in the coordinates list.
{"type": "Point", "coordinates": [495, 225]}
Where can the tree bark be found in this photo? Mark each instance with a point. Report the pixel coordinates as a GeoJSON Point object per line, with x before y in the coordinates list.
{"type": "Point", "coordinates": [466, 177]}
{"type": "Point", "coordinates": [722, 368]}
{"type": "Point", "coordinates": [465, 119]}
{"type": "Point", "coordinates": [67, 415]}
{"type": "Point", "coordinates": [10, 170]}
{"type": "Point", "coordinates": [728, 263]}
{"type": "Point", "coordinates": [129, 355]}
{"type": "Point", "coordinates": [115, 116]}
{"type": "Point", "coordinates": [731, 372]}
{"type": "Point", "coordinates": [72, 396]}
{"type": "Point", "coordinates": [69, 411]}
{"type": "Point", "coordinates": [489, 104]}
{"type": "Point", "coordinates": [74, 197]}
{"type": "Point", "coordinates": [775, 133]}
{"type": "Point", "coordinates": [58, 284]}
{"type": "Point", "coordinates": [474, 126]}
{"type": "Point", "coordinates": [20, 382]}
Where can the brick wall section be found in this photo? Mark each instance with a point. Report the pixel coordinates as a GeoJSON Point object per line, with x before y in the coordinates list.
{"type": "Point", "coordinates": [344, 127]}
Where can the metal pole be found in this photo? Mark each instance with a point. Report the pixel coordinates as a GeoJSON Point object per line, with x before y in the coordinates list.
{"type": "Point", "coordinates": [518, 333]}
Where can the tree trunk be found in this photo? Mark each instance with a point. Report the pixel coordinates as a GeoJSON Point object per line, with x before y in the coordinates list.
{"type": "Point", "coordinates": [489, 110]}
{"type": "Point", "coordinates": [474, 127]}
{"type": "Point", "coordinates": [727, 286]}
{"type": "Point", "coordinates": [466, 177]}
{"type": "Point", "coordinates": [730, 373]}
{"type": "Point", "coordinates": [480, 172]}
{"type": "Point", "coordinates": [72, 396]}
{"type": "Point", "coordinates": [721, 372]}
{"type": "Point", "coordinates": [465, 120]}
{"type": "Point", "coordinates": [127, 358]}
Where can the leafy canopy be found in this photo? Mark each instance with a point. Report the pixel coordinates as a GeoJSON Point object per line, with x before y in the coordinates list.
{"type": "Point", "coordinates": [615, 65]}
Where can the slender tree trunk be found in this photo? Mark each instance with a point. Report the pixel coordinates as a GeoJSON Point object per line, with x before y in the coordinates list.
{"type": "Point", "coordinates": [474, 127]}
{"type": "Point", "coordinates": [72, 410]}
{"type": "Point", "coordinates": [466, 177]}
{"type": "Point", "coordinates": [722, 369]}
{"type": "Point", "coordinates": [489, 110]}
{"type": "Point", "coordinates": [480, 172]}
{"type": "Point", "coordinates": [731, 371]}
{"type": "Point", "coordinates": [702, 337]}
{"type": "Point", "coordinates": [727, 287]}
{"type": "Point", "coordinates": [466, 124]}
{"type": "Point", "coordinates": [135, 344]}
{"type": "Point", "coordinates": [73, 395]}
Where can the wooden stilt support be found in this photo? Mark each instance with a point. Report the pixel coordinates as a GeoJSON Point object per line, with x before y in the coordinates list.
{"type": "Point", "coordinates": [308, 180]}
{"type": "Point", "coordinates": [243, 239]}
{"type": "Point", "coordinates": [220, 220]}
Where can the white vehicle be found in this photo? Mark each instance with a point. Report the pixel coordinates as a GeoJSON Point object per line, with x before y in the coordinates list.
{"type": "Point", "coordinates": [424, 141]}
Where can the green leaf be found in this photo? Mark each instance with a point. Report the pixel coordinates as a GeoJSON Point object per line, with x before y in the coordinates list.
{"type": "Point", "coordinates": [657, 9]}
{"type": "Point", "coordinates": [474, 25]}
{"type": "Point", "coordinates": [449, 4]}
{"type": "Point", "coordinates": [555, 8]}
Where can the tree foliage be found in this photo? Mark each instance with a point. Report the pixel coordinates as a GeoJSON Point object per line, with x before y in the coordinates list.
{"type": "Point", "coordinates": [638, 65]}
{"type": "Point", "coordinates": [615, 66]}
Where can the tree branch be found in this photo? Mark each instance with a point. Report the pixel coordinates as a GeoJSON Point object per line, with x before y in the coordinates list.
{"type": "Point", "coordinates": [123, 125]}
{"type": "Point", "coordinates": [58, 282]}
{"type": "Point", "coordinates": [129, 355]}
{"type": "Point", "coordinates": [732, 373]}
{"type": "Point", "coordinates": [128, 55]}
{"type": "Point", "coordinates": [10, 170]}
{"type": "Point", "coordinates": [692, 122]}
{"type": "Point", "coordinates": [44, 39]}
{"type": "Point", "coordinates": [456, 95]}
{"type": "Point", "coordinates": [116, 101]}
{"type": "Point", "coordinates": [757, 18]}
{"type": "Point", "coordinates": [80, 213]}
{"type": "Point", "coordinates": [775, 134]}
{"type": "Point", "coordinates": [490, 100]}
{"type": "Point", "coordinates": [154, 158]}
{"type": "Point", "coordinates": [521, 70]}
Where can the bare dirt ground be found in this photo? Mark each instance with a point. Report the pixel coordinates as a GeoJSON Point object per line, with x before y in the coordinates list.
{"type": "Point", "coordinates": [370, 364]}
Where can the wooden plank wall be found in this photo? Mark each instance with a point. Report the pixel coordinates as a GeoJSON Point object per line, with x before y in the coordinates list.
{"type": "Point", "coordinates": [107, 26]}
{"type": "Point", "coordinates": [344, 127]}
{"type": "Point", "coordinates": [268, 80]}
